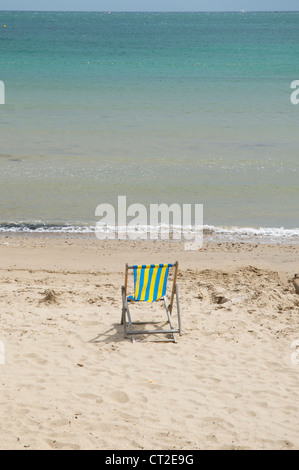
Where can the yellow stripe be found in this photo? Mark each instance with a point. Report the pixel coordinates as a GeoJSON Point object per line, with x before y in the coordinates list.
{"type": "Point", "coordinates": [161, 283]}
{"type": "Point", "coordinates": [137, 282]}
{"type": "Point", "coordinates": [146, 271]}
{"type": "Point", "coordinates": [151, 293]}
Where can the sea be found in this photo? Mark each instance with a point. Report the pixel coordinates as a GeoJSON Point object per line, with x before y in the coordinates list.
{"type": "Point", "coordinates": [162, 108]}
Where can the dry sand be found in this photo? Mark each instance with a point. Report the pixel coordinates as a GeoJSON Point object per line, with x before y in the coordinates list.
{"type": "Point", "coordinates": [71, 381]}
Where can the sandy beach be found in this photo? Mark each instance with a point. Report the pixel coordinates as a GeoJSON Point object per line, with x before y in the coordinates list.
{"type": "Point", "coordinates": [70, 380]}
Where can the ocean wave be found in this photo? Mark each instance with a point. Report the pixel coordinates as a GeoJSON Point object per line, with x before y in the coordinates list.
{"type": "Point", "coordinates": [39, 227]}
{"type": "Point", "coordinates": [271, 232]}
{"type": "Point", "coordinates": [209, 232]}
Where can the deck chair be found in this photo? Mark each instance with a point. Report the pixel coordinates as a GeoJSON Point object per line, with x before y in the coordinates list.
{"type": "Point", "coordinates": [150, 285]}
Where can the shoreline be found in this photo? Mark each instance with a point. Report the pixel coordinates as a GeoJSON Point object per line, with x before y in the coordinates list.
{"type": "Point", "coordinates": [209, 236]}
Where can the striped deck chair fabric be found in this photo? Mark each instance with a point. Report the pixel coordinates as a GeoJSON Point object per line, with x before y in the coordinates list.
{"type": "Point", "coordinates": [150, 282]}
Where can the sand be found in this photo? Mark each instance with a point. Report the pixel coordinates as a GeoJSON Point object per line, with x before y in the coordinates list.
{"type": "Point", "coordinates": [70, 380]}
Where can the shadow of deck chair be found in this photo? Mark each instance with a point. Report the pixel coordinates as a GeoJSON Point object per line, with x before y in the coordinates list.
{"type": "Point", "coordinates": [150, 285]}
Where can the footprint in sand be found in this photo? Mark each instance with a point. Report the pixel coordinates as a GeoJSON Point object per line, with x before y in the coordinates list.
{"type": "Point", "coordinates": [120, 397]}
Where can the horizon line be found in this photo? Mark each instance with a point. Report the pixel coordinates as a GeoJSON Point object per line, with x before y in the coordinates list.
{"type": "Point", "coordinates": [152, 11]}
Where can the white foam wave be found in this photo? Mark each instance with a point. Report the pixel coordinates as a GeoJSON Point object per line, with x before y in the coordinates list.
{"type": "Point", "coordinates": [273, 234]}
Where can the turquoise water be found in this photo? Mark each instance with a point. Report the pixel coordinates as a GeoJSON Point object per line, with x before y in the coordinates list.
{"type": "Point", "coordinates": [160, 107]}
